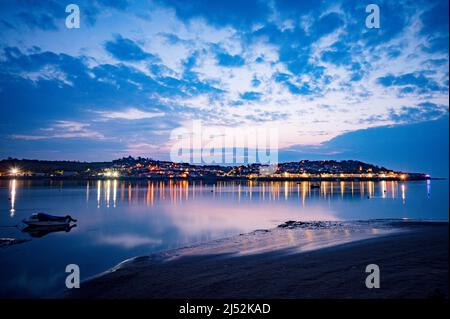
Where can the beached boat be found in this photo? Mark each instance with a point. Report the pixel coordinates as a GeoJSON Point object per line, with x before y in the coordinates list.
{"type": "Point", "coordinates": [46, 220]}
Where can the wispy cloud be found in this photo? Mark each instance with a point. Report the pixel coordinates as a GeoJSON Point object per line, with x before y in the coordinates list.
{"type": "Point", "coordinates": [63, 130]}
{"type": "Point", "coordinates": [130, 114]}
{"type": "Point", "coordinates": [29, 137]}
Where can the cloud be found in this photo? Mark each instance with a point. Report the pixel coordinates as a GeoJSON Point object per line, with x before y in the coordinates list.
{"type": "Point", "coordinates": [8, 25]}
{"type": "Point", "coordinates": [302, 88]}
{"type": "Point", "coordinates": [395, 17]}
{"type": "Point", "coordinates": [236, 13]}
{"type": "Point", "coordinates": [327, 24]}
{"type": "Point", "coordinates": [337, 54]}
{"type": "Point", "coordinates": [130, 114]}
{"type": "Point", "coordinates": [40, 74]}
{"type": "Point", "coordinates": [435, 26]}
{"type": "Point", "coordinates": [251, 96]}
{"type": "Point", "coordinates": [63, 130]}
{"type": "Point", "coordinates": [255, 82]}
{"type": "Point", "coordinates": [418, 147]}
{"type": "Point", "coordinates": [228, 60]}
{"type": "Point", "coordinates": [40, 21]}
{"type": "Point", "coordinates": [146, 149]}
{"type": "Point", "coordinates": [29, 137]}
{"type": "Point", "coordinates": [50, 15]}
{"type": "Point", "coordinates": [37, 16]}
{"type": "Point", "coordinates": [413, 79]}
{"type": "Point", "coordinates": [425, 111]}
{"type": "Point", "coordinates": [117, 4]}
{"type": "Point", "coordinates": [127, 50]}
{"type": "Point", "coordinates": [261, 116]}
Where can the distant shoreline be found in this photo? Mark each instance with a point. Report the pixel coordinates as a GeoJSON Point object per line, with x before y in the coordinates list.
{"type": "Point", "coordinates": [129, 168]}
{"type": "Point", "coordinates": [224, 178]}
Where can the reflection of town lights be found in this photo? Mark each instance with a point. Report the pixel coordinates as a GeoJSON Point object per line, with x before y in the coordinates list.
{"type": "Point", "coordinates": [403, 193]}
{"type": "Point", "coordinates": [13, 197]}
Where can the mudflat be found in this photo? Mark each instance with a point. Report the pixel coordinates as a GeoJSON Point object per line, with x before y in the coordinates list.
{"type": "Point", "coordinates": [413, 264]}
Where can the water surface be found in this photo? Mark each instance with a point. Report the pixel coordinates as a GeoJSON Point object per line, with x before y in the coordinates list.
{"type": "Point", "coordinates": [120, 219]}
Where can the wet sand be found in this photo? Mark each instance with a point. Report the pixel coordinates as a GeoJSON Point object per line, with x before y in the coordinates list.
{"type": "Point", "coordinates": [413, 264]}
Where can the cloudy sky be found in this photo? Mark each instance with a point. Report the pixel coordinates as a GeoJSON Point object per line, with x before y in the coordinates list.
{"type": "Point", "coordinates": [136, 70]}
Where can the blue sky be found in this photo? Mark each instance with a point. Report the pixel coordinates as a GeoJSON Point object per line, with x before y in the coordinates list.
{"type": "Point", "coordinates": [136, 70]}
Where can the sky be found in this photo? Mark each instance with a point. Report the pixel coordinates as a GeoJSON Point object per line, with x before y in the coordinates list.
{"type": "Point", "coordinates": [137, 70]}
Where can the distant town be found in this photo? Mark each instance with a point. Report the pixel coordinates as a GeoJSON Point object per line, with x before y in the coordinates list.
{"type": "Point", "coordinates": [147, 168]}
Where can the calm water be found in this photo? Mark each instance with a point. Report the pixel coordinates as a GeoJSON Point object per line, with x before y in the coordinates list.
{"type": "Point", "coordinates": [118, 220]}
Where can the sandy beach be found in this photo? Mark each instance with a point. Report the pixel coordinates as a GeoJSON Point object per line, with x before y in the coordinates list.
{"type": "Point", "coordinates": [304, 260]}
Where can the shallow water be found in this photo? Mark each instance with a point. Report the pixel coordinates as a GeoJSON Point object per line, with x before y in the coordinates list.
{"type": "Point", "coordinates": [119, 220]}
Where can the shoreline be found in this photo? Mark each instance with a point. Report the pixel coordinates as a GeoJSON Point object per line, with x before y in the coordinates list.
{"type": "Point", "coordinates": [223, 178]}
{"type": "Point", "coordinates": [267, 263]}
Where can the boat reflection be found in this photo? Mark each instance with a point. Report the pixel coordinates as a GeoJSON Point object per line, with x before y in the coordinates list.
{"type": "Point", "coordinates": [41, 231]}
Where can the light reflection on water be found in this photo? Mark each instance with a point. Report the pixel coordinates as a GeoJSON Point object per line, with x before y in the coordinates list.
{"type": "Point", "coordinates": [119, 219]}
{"type": "Point", "coordinates": [13, 186]}
{"type": "Point", "coordinates": [180, 191]}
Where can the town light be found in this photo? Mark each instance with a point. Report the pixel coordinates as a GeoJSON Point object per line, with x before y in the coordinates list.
{"type": "Point", "coordinates": [14, 171]}
{"type": "Point", "coordinates": [111, 173]}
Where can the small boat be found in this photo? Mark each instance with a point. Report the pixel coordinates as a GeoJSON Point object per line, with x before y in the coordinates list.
{"type": "Point", "coordinates": [315, 186]}
{"type": "Point", "coordinates": [46, 220]}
